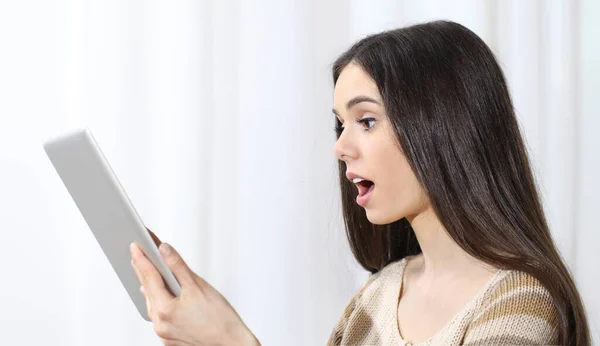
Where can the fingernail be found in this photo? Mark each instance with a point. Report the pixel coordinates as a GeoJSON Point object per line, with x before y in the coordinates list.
{"type": "Point", "coordinates": [165, 249]}
{"type": "Point", "coordinates": [142, 290]}
{"type": "Point", "coordinates": [132, 247]}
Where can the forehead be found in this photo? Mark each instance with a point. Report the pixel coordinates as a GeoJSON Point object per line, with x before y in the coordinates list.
{"type": "Point", "coordinates": [353, 81]}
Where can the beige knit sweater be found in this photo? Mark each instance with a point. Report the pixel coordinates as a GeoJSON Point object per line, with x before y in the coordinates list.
{"type": "Point", "coordinates": [513, 308]}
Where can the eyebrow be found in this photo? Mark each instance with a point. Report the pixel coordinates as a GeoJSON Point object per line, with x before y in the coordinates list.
{"type": "Point", "coordinates": [356, 100]}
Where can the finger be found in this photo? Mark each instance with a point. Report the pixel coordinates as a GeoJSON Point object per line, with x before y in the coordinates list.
{"type": "Point", "coordinates": [180, 269]}
{"type": "Point", "coordinates": [154, 237]}
{"type": "Point", "coordinates": [137, 272]}
{"type": "Point", "coordinates": [146, 296]}
{"type": "Point", "coordinates": [148, 303]}
{"type": "Point", "coordinates": [150, 277]}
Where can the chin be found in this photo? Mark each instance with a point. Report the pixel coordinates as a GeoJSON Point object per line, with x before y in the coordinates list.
{"type": "Point", "coordinates": [378, 217]}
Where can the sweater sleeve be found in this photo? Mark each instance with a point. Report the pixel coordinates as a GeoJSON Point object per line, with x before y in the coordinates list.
{"type": "Point", "coordinates": [519, 311]}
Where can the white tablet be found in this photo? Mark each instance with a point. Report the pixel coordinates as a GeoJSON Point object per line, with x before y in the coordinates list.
{"type": "Point", "coordinates": [106, 208]}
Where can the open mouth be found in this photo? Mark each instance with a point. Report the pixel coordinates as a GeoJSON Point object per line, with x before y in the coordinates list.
{"type": "Point", "coordinates": [364, 186]}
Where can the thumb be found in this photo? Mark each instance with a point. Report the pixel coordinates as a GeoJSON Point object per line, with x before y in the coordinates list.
{"type": "Point", "coordinates": [180, 269]}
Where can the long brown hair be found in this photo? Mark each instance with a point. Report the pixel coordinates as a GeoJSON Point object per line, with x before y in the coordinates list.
{"type": "Point", "coordinates": [450, 107]}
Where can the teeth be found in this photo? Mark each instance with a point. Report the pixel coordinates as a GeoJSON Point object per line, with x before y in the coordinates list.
{"type": "Point", "coordinates": [357, 180]}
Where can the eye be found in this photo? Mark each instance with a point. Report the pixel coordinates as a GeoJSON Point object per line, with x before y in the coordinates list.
{"type": "Point", "coordinates": [368, 123]}
{"type": "Point", "coordinates": [339, 127]}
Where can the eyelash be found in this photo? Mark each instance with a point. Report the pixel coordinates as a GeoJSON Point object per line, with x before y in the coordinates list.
{"type": "Point", "coordinates": [363, 121]}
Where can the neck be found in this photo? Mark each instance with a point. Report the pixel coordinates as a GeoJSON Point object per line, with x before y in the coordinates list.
{"type": "Point", "coordinates": [441, 255]}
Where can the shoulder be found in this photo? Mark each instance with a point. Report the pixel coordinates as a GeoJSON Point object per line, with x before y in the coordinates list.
{"type": "Point", "coordinates": [371, 294]}
{"type": "Point", "coordinates": [385, 279]}
{"type": "Point", "coordinates": [516, 309]}
{"type": "Point", "coordinates": [391, 272]}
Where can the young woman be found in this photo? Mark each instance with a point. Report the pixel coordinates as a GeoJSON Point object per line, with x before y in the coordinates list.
{"type": "Point", "coordinates": [439, 202]}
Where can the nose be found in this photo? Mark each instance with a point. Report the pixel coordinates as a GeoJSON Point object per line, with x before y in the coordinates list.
{"type": "Point", "coordinates": [344, 149]}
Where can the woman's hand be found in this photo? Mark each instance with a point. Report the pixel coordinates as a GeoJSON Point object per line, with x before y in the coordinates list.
{"type": "Point", "coordinates": [200, 316]}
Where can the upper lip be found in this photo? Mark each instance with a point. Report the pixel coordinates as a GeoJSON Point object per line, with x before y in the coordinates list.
{"type": "Point", "coordinates": [351, 176]}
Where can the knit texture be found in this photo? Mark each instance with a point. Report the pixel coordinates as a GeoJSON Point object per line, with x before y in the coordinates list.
{"type": "Point", "coordinates": [513, 308]}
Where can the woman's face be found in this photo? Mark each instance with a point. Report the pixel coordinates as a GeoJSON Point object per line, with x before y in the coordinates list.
{"type": "Point", "coordinates": [367, 144]}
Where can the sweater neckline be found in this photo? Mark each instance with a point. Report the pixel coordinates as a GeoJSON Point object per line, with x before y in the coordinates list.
{"type": "Point", "coordinates": [475, 300]}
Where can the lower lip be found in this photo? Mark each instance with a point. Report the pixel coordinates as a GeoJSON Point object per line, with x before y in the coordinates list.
{"type": "Point", "coordinates": [364, 199]}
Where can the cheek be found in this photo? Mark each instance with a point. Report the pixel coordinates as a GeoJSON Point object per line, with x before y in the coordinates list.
{"type": "Point", "coordinates": [400, 183]}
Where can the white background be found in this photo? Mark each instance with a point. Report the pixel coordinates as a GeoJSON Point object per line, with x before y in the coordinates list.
{"type": "Point", "coordinates": [216, 116]}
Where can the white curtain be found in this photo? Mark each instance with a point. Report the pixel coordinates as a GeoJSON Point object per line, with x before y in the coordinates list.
{"type": "Point", "coordinates": [215, 115]}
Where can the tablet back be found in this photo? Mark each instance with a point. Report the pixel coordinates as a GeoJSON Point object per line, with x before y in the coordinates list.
{"type": "Point", "coordinates": [106, 208]}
